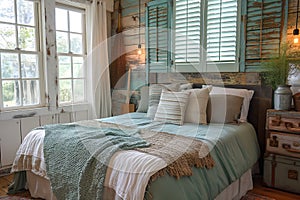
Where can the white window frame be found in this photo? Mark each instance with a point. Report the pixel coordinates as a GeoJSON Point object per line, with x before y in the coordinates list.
{"type": "Point", "coordinates": [19, 52]}
{"type": "Point", "coordinates": [82, 10]}
{"type": "Point", "coordinates": [204, 65]}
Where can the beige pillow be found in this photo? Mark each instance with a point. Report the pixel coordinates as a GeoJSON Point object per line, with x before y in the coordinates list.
{"type": "Point", "coordinates": [246, 94]}
{"type": "Point", "coordinates": [143, 105]}
{"type": "Point", "coordinates": [196, 106]}
{"type": "Point", "coordinates": [171, 107]}
{"type": "Point", "coordinates": [224, 108]}
{"type": "Point", "coordinates": [154, 96]}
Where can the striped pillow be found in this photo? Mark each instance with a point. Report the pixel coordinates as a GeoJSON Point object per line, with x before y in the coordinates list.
{"type": "Point", "coordinates": [154, 96]}
{"type": "Point", "coordinates": [172, 106]}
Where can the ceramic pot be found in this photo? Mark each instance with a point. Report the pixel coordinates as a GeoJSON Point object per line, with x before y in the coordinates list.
{"type": "Point", "coordinates": [283, 97]}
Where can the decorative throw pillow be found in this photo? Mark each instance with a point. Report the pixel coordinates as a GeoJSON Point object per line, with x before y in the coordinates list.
{"type": "Point", "coordinates": [154, 96]}
{"type": "Point", "coordinates": [224, 108]}
{"type": "Point", "coordinates": [246, 94]}
{"type": "Point", "coordinates": [185, 86]}
{"type": "Point", "coordinates": [171, 107]}
{"type": "Point", "coordinates": [196, 106]}
{"type": "Point", "coordinates": [143, 105]}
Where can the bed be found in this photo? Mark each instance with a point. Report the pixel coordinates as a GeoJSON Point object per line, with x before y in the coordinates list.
{"type": "Point", "coordinates": [230, 152]}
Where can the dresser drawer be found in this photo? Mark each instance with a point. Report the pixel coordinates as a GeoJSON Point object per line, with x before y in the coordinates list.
{"type": "Point", "coordinates": [283, 124]}
{"type": "Point", "coordinates": [284, 144]}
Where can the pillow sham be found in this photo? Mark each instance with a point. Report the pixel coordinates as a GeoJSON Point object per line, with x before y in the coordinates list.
{"type": "Point", "coordinates": [143, 104]}
{"type": "Point", "coordinates": [171, 107]}
{"type": "Point", "coordinates": [246, 94]}
{"type": "Point", "coordinates": [196, 106]}
{"type": "Point", "coordinates": [154, 96]}
{"type": "Point", "coordinates": [224, 108]}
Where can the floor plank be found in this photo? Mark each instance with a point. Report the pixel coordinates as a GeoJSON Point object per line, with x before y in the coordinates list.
{"type": "Point", "coordinates": [5, 181]}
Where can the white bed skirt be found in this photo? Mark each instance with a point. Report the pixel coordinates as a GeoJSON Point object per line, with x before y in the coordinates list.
{"type": "Point", "coordinates": [39, 187]}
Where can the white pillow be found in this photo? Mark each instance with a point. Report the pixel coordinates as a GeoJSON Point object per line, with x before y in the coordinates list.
{"type": "Point", "coordinates": [246, 94]}
{"type": "Point", "coordinates": [196, 106]}
{"type": "Point", "coordinates": [185, 86]}
{"type": "Point", "coordinates": [171, 107]}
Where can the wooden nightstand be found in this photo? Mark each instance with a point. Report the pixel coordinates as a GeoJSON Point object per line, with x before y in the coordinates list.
{"type": "Point", "coordinates": [282, 156]}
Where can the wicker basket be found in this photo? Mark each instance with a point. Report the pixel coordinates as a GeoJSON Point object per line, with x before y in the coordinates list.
{"type": "Point", "coordinates": [296, 98]}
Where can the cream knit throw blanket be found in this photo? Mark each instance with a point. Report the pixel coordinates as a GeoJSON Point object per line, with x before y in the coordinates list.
{"type": "Point", "coordinates": [179, 152]}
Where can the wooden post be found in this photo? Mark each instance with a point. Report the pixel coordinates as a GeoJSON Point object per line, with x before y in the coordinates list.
{"type": "Point", "coordinates": [127, 107]}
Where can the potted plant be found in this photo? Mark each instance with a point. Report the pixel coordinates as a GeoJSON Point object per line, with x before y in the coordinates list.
{"type": "Point", "coordinates": [277, 70]}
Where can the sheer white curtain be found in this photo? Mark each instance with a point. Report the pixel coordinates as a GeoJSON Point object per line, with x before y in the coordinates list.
{"type": "Point", "coordinates": [98, 81]}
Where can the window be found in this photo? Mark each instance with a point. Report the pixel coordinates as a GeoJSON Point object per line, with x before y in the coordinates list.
{"type": "Point", "coordinates": [70, 42]}
{"type": "Point", "coordinates": [211, 24]}
{"type": "Point", "coordinates": [20, 55]}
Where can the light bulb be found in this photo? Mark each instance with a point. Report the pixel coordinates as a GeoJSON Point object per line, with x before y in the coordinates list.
{"type": "Point", "coordinates": [296, 40]}
{"type": "Point", "coordinates": [139, 49]}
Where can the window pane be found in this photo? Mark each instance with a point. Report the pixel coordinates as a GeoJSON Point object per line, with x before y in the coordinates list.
{"type": "Point", "coordinates": [61, 19]}
{"type": "Point", "coordinates": [64, 65]}
{"type": "Point", "coordinates": [76, 43]}
{"type": "Point", "coordinates": [31, 95]}
{"type": "Point", "coordinates": [29, 66]}
{"type": "Point", "coordinates": [75, 22]}
{"type": "Point", "coordinates": [11, 93]}
{"type": "Point", "coordinates": [25, 12]}
{"type": "Point", "coordinates": [9, 65]}
{"type": "Point", "coordinates": [62, 42]}
{"type": "Point", "coordinates": [65, 91]}
{"type": "Point", "coordinates": [79, 90]}
{"type": "Point", "coordinates": [7, 36]}
{"type": "Point", "coordinates": [27, 38]}
{"type": "Point", "coordinates": [7, 11]}
{"type": "Point", "coordinates": [78, 70]}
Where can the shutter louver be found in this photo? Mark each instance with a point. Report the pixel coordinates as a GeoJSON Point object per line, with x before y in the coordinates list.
{"type": "Point", "coordinates": [263, 32]}
{"type": "Point", "coordinates": [221, 30]}
{"type": "Point", "coordinates": [187, 31]}
{"type": "Point", "coordinates": [158, 31]}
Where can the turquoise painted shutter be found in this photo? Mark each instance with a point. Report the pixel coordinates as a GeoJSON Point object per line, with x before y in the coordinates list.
{"type": "Point", "coordinates": [265, 25]}
{"type": "Point", "coordinates": [158, 35]}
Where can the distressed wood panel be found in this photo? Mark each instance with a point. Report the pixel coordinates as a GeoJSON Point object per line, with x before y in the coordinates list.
{"type": "Point", "coordinates": [64, 117]}
{"type": "Point", "coordinates": [263, 31]}
{"type": "Point", "coordinates": [10, 140]}
{"type": "Point", "coordinates": [27, 124]}
{"type": "Point", "coordinates": [81, 115]}
{"type": "Point", "coordinates": [47, 119]}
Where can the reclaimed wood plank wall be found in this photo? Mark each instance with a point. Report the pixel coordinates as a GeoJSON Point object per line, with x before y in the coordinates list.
{"type": "Point", "coordinates": [265, 27]}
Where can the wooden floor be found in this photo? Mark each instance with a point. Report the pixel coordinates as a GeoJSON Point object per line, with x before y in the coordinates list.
{"type": "Point", "coordinates": [5, 181]}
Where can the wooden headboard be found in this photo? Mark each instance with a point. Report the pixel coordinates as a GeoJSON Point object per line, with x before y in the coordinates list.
{"type": "Point", "coordinates": [261, 101]}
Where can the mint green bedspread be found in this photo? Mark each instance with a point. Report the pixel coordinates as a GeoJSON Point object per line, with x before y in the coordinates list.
{"type": "Point", "coordinates": [234, 149]}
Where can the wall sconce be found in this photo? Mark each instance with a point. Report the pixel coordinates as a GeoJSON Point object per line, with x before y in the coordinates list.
{"type": "Point", "coordinates": [296, 30]}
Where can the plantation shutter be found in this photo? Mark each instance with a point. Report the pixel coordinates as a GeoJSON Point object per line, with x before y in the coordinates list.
{"type": "Point", "coordinates": [158, 40]}
{"type": "Point", "coordinates": [222, 30]}
{"type": "Point", "coordinates": [265, 24]}
{"type": "Point", "coordinates": [187, 31]}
